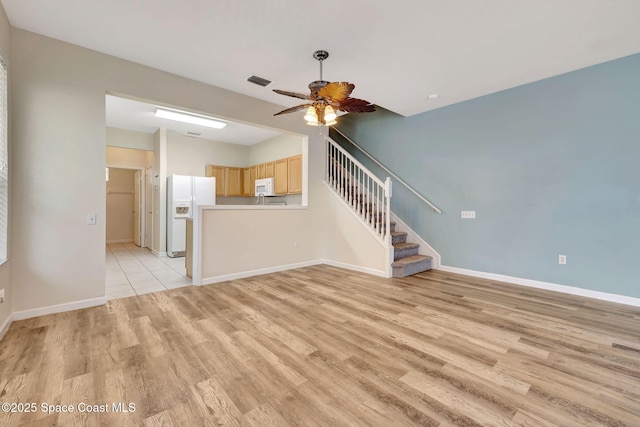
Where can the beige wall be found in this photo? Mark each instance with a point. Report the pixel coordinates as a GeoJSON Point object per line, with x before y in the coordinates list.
{"type": "Point", "coordinates": [279, 147]}
{"type": "Point", "coordinates": [347, 241]}
{"type": "Point", "coordinates": [243, 240]}
{"type": "Point", "coordinates": [5, 269]}
{"type": "Point", "coordinates": [128, 158]}
{"type": "Point", "coordinates": [129, 139]}
{"type": "Point", "coordinates": [188, 155]}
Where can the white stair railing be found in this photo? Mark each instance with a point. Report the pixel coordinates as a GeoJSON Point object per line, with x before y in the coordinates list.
{"type": "Point", "coordinates": [367, 195]}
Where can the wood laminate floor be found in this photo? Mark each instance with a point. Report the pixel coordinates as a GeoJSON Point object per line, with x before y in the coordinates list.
{"type": "Point", "coordinates": [321, 346]}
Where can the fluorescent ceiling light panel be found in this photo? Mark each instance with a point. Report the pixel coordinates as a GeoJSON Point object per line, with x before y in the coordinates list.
{"type": "Point", "coordinates": [190, 118]}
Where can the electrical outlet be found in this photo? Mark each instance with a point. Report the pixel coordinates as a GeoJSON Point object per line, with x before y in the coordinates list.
{"type": "Point", "coordinates": [468, 214]}
{"type": "Point", "coordinates": [1, 296]}
{"type": "Point", "coordinates": [562, 259]}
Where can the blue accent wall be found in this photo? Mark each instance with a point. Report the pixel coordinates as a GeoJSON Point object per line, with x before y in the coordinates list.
{"type": "Point", "coordinates": [551, 167]}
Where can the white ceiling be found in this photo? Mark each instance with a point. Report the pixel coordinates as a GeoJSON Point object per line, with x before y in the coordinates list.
{"type": "Point", "coordinates": [396, 52]}
{"type": "Point", "coordinates": [140, 116]}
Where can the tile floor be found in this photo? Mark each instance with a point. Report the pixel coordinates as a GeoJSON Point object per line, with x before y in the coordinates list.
{"type": "Point", "coordinates": [131, 270]}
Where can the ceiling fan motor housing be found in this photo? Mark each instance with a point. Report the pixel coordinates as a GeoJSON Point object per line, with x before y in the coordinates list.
{"type": "Point", "coordinates": [315, 86]}
{"type": "Point", "coordinates": [320, 55]}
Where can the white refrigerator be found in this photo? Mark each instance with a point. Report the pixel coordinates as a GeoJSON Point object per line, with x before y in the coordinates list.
{"type": "Point", "coordinates": [184, 193]}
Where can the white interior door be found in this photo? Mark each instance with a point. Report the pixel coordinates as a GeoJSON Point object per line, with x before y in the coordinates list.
{"type": "Point", "coordinates": [137, 205]}
{"type": "Point", "coordinates": [148, 229]}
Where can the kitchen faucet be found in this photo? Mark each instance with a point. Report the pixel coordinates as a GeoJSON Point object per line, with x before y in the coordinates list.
{"type": "Point", "coordinates": [258, 198]}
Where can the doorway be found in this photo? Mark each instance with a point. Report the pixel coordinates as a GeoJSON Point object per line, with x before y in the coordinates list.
{"type": "Point", "coordinates": [125, 204]}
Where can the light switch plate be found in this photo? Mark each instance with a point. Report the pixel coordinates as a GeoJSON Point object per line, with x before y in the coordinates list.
{"type": "Point", "coordinates": [91, 219]}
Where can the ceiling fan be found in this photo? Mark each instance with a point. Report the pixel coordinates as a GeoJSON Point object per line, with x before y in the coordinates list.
{"type": "Point", "coordinates": [325, 98]}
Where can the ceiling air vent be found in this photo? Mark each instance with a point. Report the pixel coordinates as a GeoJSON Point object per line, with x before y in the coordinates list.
{"type": "Point", "coordinates": [258, 80]}
{"type": "Point", "coordinates": [193, 133]}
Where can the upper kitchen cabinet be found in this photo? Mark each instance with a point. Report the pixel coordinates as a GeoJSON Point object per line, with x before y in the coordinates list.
{"type": "Point", "coordinates": [228, 179]}
{"type": "Point", "coordinates": [233, 182]}
{"type": "Point", "coordinates": [294, 165]}
{"type": "Point", "coordinates": [266, 170]}
{"type": "Point", "coordinates": [281, 180]}
{"type": "Point", "coordinates": [288, 175]}
{"type": "Point", "coordinates": [247, 184]}
{"type": "Point", "coordinates": [219, 174]}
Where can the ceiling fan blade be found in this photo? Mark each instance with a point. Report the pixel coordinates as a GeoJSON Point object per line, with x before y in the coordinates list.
{"type": "Point", "coordinates": [294, 109]}
{"type": "Point", "coordinates": [355, 105]}
{"type": "Point", "coordinates": [336, 91]}
{"type": "Point", "coordinates": [293, 94]}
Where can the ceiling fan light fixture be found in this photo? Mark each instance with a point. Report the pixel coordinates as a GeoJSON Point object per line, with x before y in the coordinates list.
{"type": "Point", "coordinates": [311, 117]}
{"type": "Point", "coordinates": [329, 114]}
{"type": "Point", "coordinates": [323, 96]}
{"type": "Point", "coordinates": [193, 119]}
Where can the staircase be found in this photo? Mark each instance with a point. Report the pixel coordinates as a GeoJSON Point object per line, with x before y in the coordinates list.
{"type": "Point", "coordinates": [370, 199]}
{"type": "Point", "coordinates": [406, 259]}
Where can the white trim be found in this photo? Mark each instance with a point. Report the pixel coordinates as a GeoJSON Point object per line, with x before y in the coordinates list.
{"type": "Point", "coordinates": [156, 253]}
{"type": "Point", "coordinates": [257, 272]}
{"type": "Point", "coordinates": [279, 268]}
{"type": "Point", "coordinates": [367, 270]}
{"type": "Point", "coordinates": [572, 290]}
{"type": "Point", "coordinates": [59, 308]}
{"type": "Point", "coordinates": [425, 248]}
{"type": "Point", "coordinates": [6, 325]}
{"type": "Point", "coordinates": [120, 241]}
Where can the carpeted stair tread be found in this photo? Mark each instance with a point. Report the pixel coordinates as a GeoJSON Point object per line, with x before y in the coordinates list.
{"type": "Point", "coordinates": [403, 250]}
{"type": "Point", "coordinates": [398, 237]}
{"type": "Point", "coordinates": [409, 260]}
{"type": "Point", "coordinates": [405, 245]}
{"type": "Point", "coordinates": [411, 265]}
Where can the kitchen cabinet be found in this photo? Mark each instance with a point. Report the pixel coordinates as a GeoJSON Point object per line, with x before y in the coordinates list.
{"type": "Point", "coordinates": [270, 170]}
{"type": "Point", "coordinates": [219, 173]}
{"type": "Point", "coordinates": [228, 179]}
{"type": "Point", "coordinates": [248, 184]}
{"type": "Point", "coordinates": [233, 181]}
{"type": "Point", "coordinates": [266, 170]}
{"type": "Point", "coordinates": [281, 176]}
{"type": "Point", "coordinates": [253, 175]}
{"type": "Point", "coordinates": [294, 175]}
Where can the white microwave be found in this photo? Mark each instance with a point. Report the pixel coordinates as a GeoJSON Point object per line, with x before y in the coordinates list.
{"type": "Point", "coordinates": [265, 187]}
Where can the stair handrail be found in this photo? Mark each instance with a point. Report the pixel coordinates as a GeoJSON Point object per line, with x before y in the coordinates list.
{"type": "Point", "coordinates": [400, 180]}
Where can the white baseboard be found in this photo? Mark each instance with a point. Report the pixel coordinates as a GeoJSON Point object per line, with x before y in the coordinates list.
{"type": "Point", "coordinates": [572, 290]}
{"type": "Point", "coordinates": [156, 253]}
{"type": "Point", "coordinates": [120, 241]}
{"type": "Point", "coordinates": [412, 236]}
{"type": "Point", "coordinates": [278, 268]}
{"type": "Point", "coordinates": [5, 326]}
{"type": "Point", "coordinates": [58, 308]}
{"type": "Point", "coordinates": [352, 267]}
{"type": "Point", "coordinates": [257, 272]}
